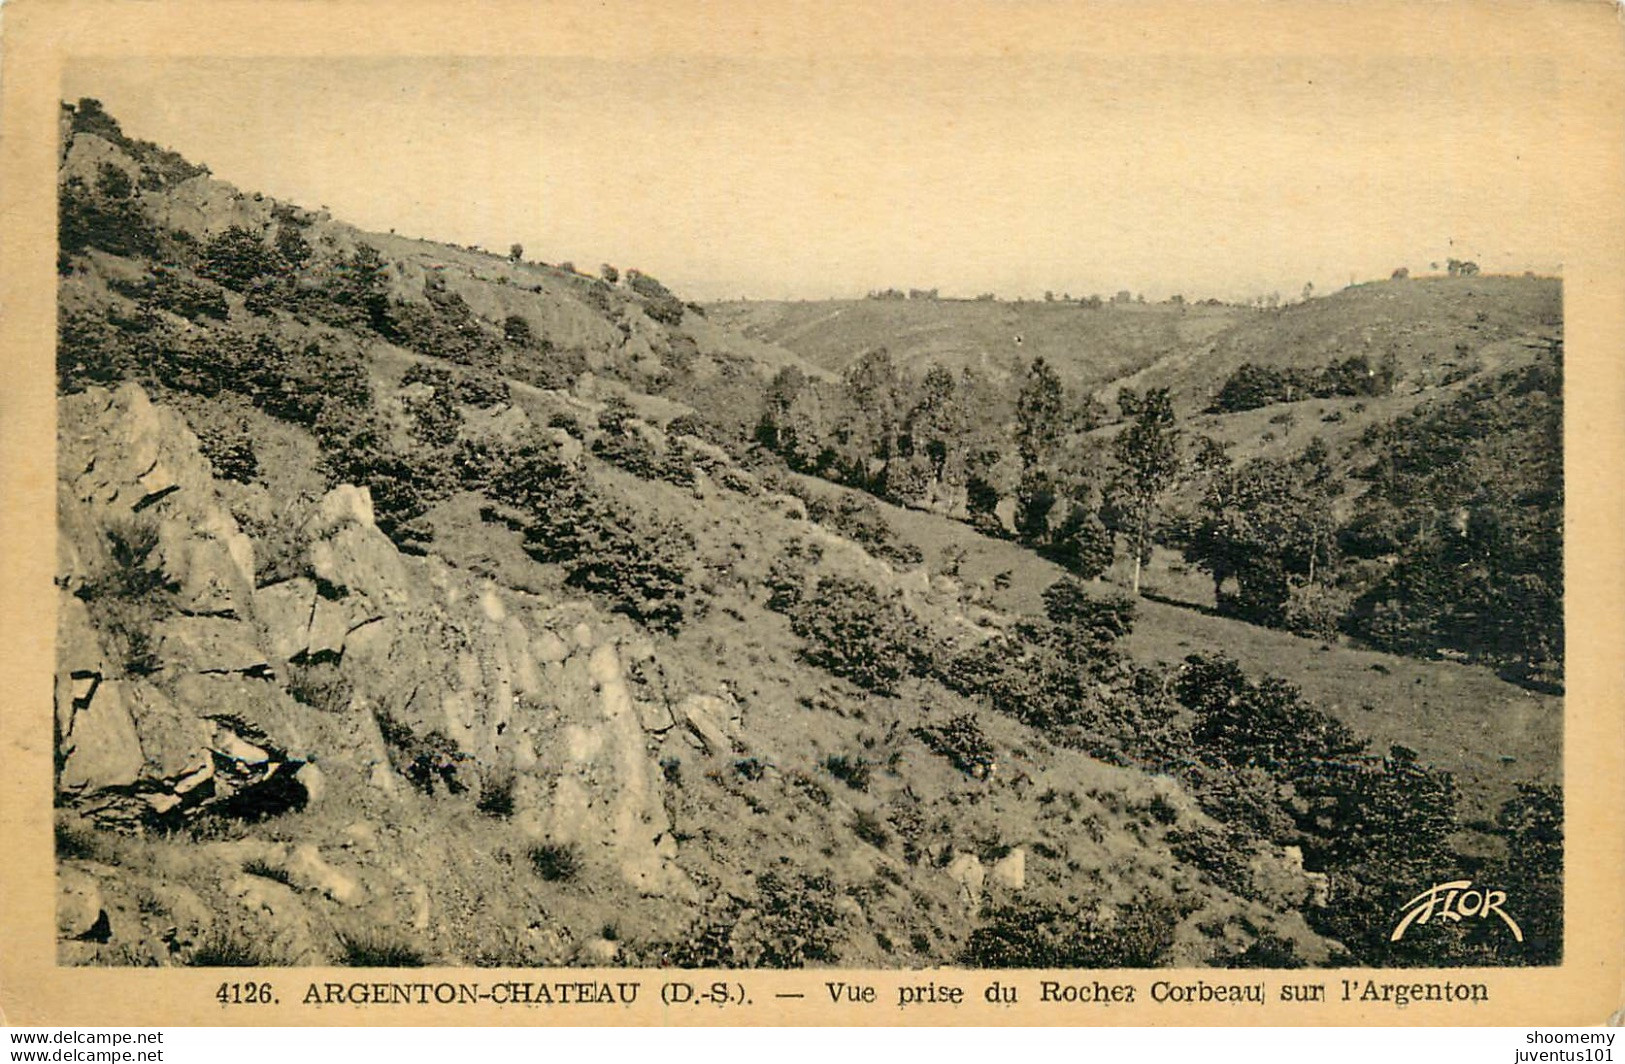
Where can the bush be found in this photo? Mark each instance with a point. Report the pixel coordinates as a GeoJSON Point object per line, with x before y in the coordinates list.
{"type": "Point", "coordinates": [556, 862]}
{"type": "Point", "coordinates": [1051, 935]}
{"type": "Point", "coordinates": [658, 302]}
{"type": "Point", "coordinates": [371, 950]}
{"type": "Point", "coordinates": [1316, 610]}
{"type": "Point", "coordinates": [1268, 950]}
{"type": "Point", "coordinates": [1081, 543]}
{"type": "Point", "coordinates": [229, 949]}
{"type": "Point", "coordinates": [1533, 874]}
{"type": "Point", "coordinates": [852, 771]}
{"type": "Point", "coordinates": [173, 291]}
{"type": "Point", "coordinates": [1096, 621]}
{"type": "Point", "coordinates": [867, 826]}
{"type": "Point", "coordinates": [241, 259]}
{"type": "Point", "coordinates": [266, 870]}
{"type": "Point", "coordinates": [320, 685]}
{"type": "Point", "coordinates": [789, 923]}
{"type": "Point", "coordinates": [496, 796]}
{"type": "Point", "coordinates": [430, 761]}
{"type": "Point", "coordinates": [480, 388]}
{"type": "Point", "coordinates": [639, 562]}
{"type": "Point", "coordinates": [855, 633]}
{"type": "Point", "coordinates": [861, 521]}
{"type": "Point", "coordinates": [114, 224]}
{"type": "Point", "coordinates": [962, 742]}
{"type": "Point", "coordinates": [1267, 724]}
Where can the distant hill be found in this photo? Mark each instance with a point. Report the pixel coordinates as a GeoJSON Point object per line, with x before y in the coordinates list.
{"type": "Point", "coordinates": [1089, 347]}
{"type": "Point", "coordinates": [1437, 330]}
{"type": "Point", "coordinates": [1440, 329]}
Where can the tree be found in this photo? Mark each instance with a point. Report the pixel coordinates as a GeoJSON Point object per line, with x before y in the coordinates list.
{"type": "Point", "coordinates": [936, 425]}
{"type": "Point", "coordinates": [1146, 463]}
{"type": "Point", "coordinates": [516, 252]}
{"type": "Point", "coordinates": [609, 273]}
{"type": "Point", "coordinates": [872, 388]}
{"type": "Point", "coordinates": [1262, 524]}
{"type": "Point", "coordinates": [1039, 414]}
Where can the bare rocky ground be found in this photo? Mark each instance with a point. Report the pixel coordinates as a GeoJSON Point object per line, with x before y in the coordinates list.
{"type": "Point", "coordinates": [297, 770]}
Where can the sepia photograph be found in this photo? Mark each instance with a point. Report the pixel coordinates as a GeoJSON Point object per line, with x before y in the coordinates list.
{"type": "Point", "coordinates": [825, 508]}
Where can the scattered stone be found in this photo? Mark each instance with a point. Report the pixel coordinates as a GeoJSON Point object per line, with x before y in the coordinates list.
{"type": "Point", "coordinates": [707, 718]}
{"type": "Point", "coordinates": [307, 870]}
{"type": "Point", "coordinates": [100, 748]}
{"type": "Point", "coordinates": [966, 871]}
{"type": "Point", "coordinates": [600, 951]}
{"type": "Point", "coordinates": [78, 903]}
{"type": "Point", "coordinates": [548, 648]}
{"type": "Point", "coordinates": [1010, 871]}
{"type": "Point", "coordinates": [313, 781]}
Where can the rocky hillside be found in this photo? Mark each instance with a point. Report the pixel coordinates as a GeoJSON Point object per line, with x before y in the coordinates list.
{"type": "Point", "coordinates": [401, 622]}
{"type": "Point", "coordinates": [421, 605]}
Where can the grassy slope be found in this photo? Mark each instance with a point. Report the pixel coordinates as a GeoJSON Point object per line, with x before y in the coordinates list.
{"type": "Point", "coordinates": [1442, 334]}
{"type": "Point", "coordinates": [1088, 347]}
{"type": "Point", "coordinates": [1492, 734]}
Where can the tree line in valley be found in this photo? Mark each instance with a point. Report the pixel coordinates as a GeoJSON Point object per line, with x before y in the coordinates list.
{"type": "Point", "coordinates": [1435, 533]}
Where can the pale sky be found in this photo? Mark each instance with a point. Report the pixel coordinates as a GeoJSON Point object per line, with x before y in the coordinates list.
{"type": "Point", "coordinates": [807, 177]}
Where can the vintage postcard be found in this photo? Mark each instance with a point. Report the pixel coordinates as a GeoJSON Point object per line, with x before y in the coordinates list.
{"type": "Point", "coordinates": [924, 513]}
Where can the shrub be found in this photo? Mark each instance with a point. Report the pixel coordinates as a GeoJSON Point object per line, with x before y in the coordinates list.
{"type": "Point", "coordinates": [1095, 621]}
{"type": "Point", "coordinates": [786, 579]}
{"type": "Point", "coordinates": [855, 633]}
{"type": "Point", "coordinates": [371, 950]}
{"type": "Point", "coordinates": [224, 948]}
{"type": "Point", "coordinates": [861, 521]}
{"type": "Point", "coordinates": [962, 742]}
{"type": "Point", "coordinates": [76, 843]}
{"type": "Point", "coordinates": [1533, 824]}
{"type": "Point", "coordinates": [1082, 543]}
{"type": "Point", "coordinates": [239, 258]}
{"type": "Point", "coordinates": [1050, 935]}
{"type": "Point", "coordinates": [1316, 610]}
{"type": "Point", "coordinates": [1268, 950]}
{"type": "Point", "coordinates": [689, 425]}
{"type": "Point", "coordinates": [94, 219]}
{"type": "Point", "coordinates": [320, 685]}
{"type": "Point", "coordinates": [852, 771]}
{"type": "Point", "coordinates": [266, 870]}
{"type": "Point", "coordinates": [658, 302]}
{"type": "Point", "coordinates": [639, 562]}
{"type": "Point", "coordinates": [496, 796]}
{"type": "Point", "coordinates": [480, 388]}
{"type": "Point", "coordinates": [430, 761]}
{"type": "Point", "coordinates": [190, 299]}
{"type": "Point", "coordinates": [788, 923]}
{"type": "Point", "coordinates": [556, 862]}
{"type": "Point", "coordinates": [1239, 722]}
{"type": "Point", "coordinates": [867, 826]}
{"type": "Point", "coordinates": [132, 572]}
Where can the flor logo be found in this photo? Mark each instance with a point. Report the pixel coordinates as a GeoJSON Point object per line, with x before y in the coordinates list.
{"type": "Point", "coordinates": [1454, 902]}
